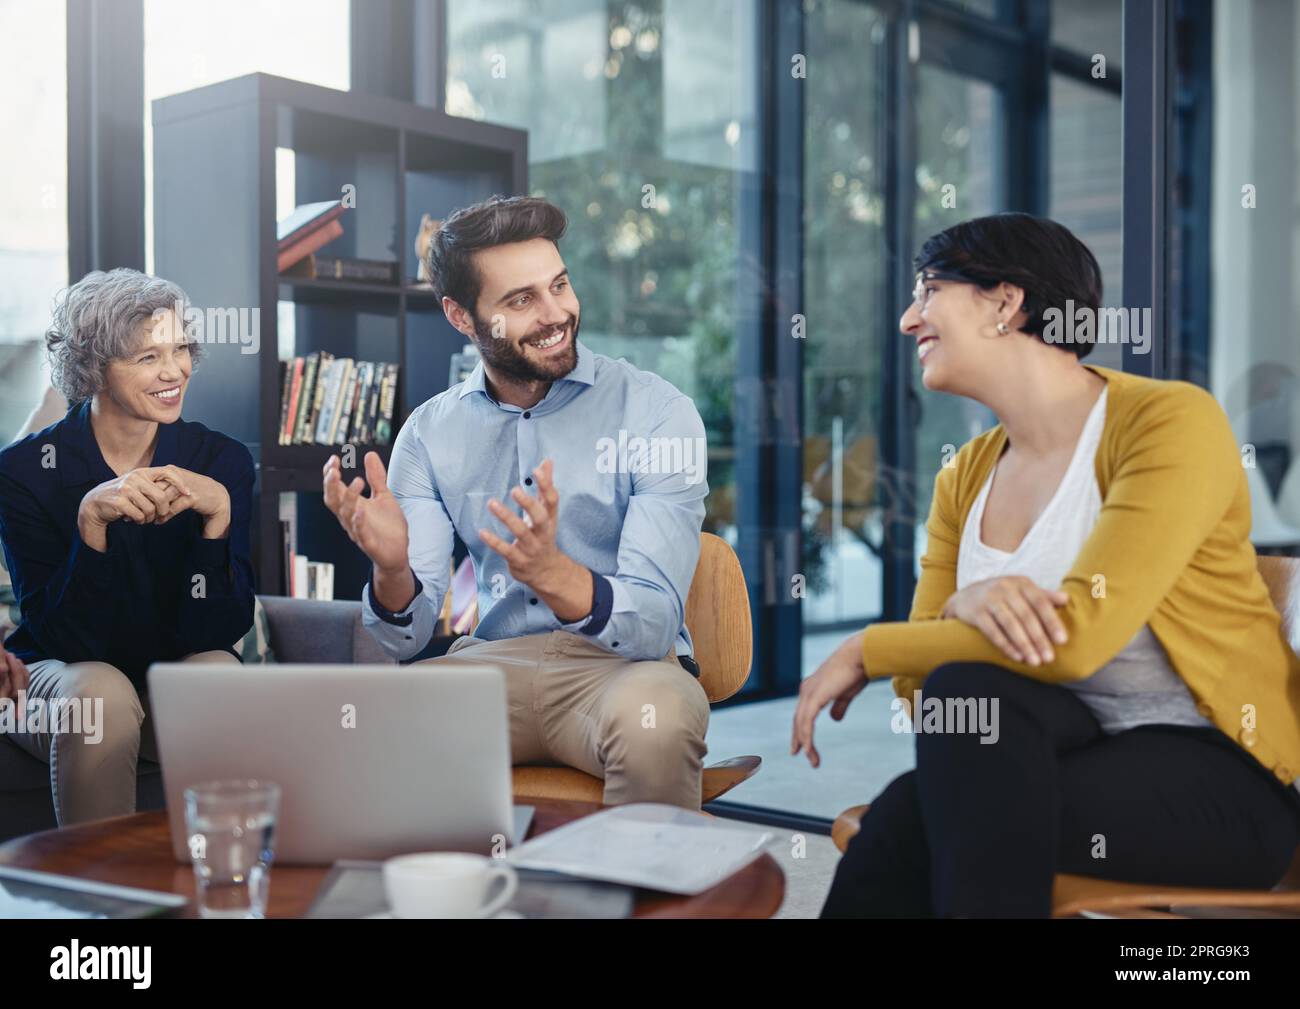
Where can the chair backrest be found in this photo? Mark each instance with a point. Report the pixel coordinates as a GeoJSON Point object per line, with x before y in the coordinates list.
{"type": "Point", "coordinates": [717, 615]}
{"type": "Point", "coordinates": [1282, 576]}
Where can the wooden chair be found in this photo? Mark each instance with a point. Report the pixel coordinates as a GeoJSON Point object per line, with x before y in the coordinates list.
{"type": "Point", "coordinates": [717, 615]}
{"type": "Point", "coordinates": [1073, 895]}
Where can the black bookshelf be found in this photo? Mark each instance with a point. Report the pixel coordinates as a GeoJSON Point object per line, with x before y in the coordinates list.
{"type": "Point", "coordinates": [214, 184]}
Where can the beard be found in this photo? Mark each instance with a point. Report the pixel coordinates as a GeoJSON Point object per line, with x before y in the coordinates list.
{"type": "Point", "coordinates": [509, 358]}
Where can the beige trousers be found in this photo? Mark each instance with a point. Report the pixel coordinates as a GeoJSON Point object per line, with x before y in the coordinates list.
{"type": "Point", "coordinates": [638, 725]}
{"type": "Point", "coordinates": [92, 771]}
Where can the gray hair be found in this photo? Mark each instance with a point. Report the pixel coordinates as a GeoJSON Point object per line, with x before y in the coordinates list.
{"type": "Point", "coordinates": [95, 322]}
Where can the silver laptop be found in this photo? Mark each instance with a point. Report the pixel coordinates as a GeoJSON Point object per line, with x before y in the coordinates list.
{"type": "Point", "coordinates": [372, 761]}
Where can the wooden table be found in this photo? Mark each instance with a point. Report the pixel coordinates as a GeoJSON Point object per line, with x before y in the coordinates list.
{"type": "Point", "coordinates": [136, 851]}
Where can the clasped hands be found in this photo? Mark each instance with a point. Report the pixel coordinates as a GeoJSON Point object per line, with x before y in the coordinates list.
{"type": "Point", "coordinates": [153, 495]}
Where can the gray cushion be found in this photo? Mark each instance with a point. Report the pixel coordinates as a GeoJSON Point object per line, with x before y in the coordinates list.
{"type": "Point", "coordinates": [319, 630]}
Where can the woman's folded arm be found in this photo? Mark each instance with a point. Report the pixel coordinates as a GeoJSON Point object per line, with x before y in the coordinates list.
{"type": "Point", "coordinates": [1174, 479]}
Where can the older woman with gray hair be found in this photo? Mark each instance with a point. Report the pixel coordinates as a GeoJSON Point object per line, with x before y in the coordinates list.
{"type": "Point", "coordinates": [126, 532]}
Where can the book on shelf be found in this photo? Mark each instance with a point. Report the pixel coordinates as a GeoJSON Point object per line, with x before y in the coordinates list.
{"type": "Point", "coordinates": [308, 244]}
{"type": "Point", "coordinates": [308, 433]}
{"type": "Point", "coordinates": [359, 400]}
{"type": "Point", "coordinates": [343, 411]}
{"type": "Point", "coordinates": [310, 579]}
{"type": "Point", "coordinates": [304, 398]}
{"type": "Point", "coordinates": [298, 581]}
{"type": "Point", "coordinates": [325, 583]}
{"type": "Point", "coordinates": [326, 400]}
{"type": "Point", "coordinates": [372, 409]}
{"type": "Point", "coordinates": [328, 396]}
{"type": "Point", "coordinates": [387, 402]}
{"type": "Point", "coordinates": [367, 271]}
{"type": "Point", "coordinates": [295, 390]}
{"type": "Point", "coordinates": [286, 557]}
{"type": "Point", "coordinates": [288, 539]}
{"type": "Point", "coordinates": [286, 371]}
{"type": "Point", "coordinates": [305, 219]}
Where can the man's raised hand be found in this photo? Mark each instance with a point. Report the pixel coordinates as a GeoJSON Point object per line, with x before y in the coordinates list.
{"type": "Point", "coordinates": [375, 523]}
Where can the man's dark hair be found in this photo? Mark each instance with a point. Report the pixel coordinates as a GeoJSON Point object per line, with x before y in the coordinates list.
{"type": "Point", "coordinates": [1038, 255]}
{"type": "Point", "coordinates": [498, 220]}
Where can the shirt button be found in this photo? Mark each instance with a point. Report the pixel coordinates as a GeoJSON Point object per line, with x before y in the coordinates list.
{"type": "Point", "coordinates": [528, 481]}
{"type": "Point", "coordinates": [527, 414]}
{"type": "Point", "coordinates": [533, 601]}
{"type": "Point", "coordinates": [1247, 737]}
{"type": "Point", "coordinates": [615, 644]}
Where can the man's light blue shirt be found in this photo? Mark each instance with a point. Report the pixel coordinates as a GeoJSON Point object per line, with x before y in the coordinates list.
{"type": "Point", "coordinates": [629, 455]}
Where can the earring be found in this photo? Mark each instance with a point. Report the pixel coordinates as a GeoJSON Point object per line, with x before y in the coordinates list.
{"type": "Point", "coordinates": [1002, 329]}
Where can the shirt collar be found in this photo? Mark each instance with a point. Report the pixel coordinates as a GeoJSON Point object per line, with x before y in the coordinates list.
{"type": "Point", "coordinates": [80, 460]}
{"type": "Point", "coordinates": [583, 374]}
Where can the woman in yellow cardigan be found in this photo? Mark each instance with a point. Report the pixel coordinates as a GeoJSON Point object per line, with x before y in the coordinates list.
{"type": "Point", "coordinates": [1097, 679]}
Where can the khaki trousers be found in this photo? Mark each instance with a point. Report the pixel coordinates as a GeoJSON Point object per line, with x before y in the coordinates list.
{"type": "Point", "coordinates": [92, 775]}
{"type": "Point", "coordinates": [638, 725]}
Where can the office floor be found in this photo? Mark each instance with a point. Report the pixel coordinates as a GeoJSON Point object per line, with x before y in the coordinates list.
{"type": "Point", "coordinates": [859, 757]}
{"type": "Point", "coordinates": [808, 861]}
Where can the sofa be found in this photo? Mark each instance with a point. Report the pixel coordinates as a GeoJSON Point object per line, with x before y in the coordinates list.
{"type": "Point", "coordinates": [299, 630]}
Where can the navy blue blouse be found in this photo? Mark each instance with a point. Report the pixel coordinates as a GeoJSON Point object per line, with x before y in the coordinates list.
{"type": "Point", "coordinates": [139, 602]}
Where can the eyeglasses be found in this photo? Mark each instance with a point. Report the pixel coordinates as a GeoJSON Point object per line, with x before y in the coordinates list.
{"type": "Point", "coordinates": [920, 296]}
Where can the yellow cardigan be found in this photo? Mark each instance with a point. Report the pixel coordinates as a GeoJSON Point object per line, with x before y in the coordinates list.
{"type": "Point", "coordinates": [1171, 548]}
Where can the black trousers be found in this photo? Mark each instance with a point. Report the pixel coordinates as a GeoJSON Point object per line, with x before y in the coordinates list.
{"type": "Point", "coordinates": [979, 829]}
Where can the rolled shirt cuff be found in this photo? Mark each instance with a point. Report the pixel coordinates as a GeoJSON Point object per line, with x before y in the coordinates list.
{"type": "Point", "coordinates": [602, 606]}
{"type": "Point", "coordinates": [401, 619]}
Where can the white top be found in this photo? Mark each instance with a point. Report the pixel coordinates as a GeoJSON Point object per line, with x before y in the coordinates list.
{"type": "Point", "coordinates": [1138, 686]}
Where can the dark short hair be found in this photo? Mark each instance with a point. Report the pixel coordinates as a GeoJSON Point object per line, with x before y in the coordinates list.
{"type": "Point", "coordinates": [498, 220]}
{"type": "Point", "coordinates": [1038, 255]}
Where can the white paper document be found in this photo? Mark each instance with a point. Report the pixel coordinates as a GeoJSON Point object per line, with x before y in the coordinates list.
{"type": "Point", "coordinates": [645, 844]}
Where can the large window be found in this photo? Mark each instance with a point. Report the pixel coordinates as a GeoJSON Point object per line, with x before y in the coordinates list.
{"type": "Point", "coordinates": [1252, 176]}
{"type": "Point", "coordinates": [844, 284]}
{"type": "Point", "coordinates": [190, 43]}
{"type": "Point", "coordinates": [1085, 152]}
{"type": "Point", "coordinates": [643, 126]}
{"type": "Point", "coordinates": [34, 179]}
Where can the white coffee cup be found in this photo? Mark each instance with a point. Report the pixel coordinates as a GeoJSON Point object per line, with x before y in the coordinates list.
{"type": "Point", "coordinates": [447, 885]}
